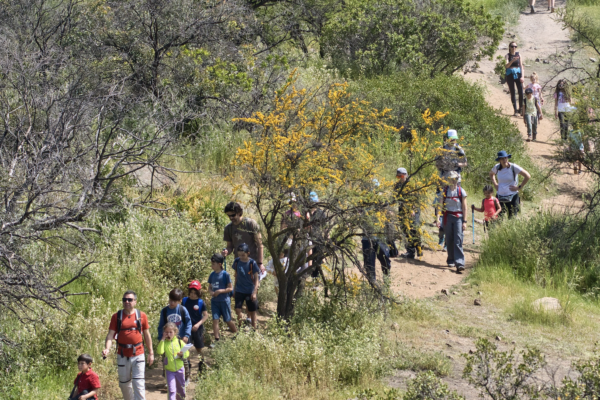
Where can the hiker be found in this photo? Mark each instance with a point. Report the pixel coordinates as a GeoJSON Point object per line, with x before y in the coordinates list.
{"type": "Point", "coordinates": [562, 105]}
{"type": "Point", "coordinates": [171, 347]}
{"type": "Point", "coordinates": [455, 211]}
{"type": "Point", "coordinates": [536, 87]}
{"type": "Point", "coordinates": [132, 330]}
{"type": "Point", "coordinates": [178, 314]}
{"type": "Point", "coordinates": [514, 76]}
{"type": "Point", "coordinates": [531, 112]}
{"type": "Point", "coordinates": [246, 283]}
{"type": "Point", "coordinates": [198, 315]}
{"type": "Point", "coordinates": [453, 157]}
{"type": "Point", "coordinates": [317, 219]}
{"type": "Point", "coordinates": [490, 207]}
{"type": "Point", "coordinates": [242, 230]}
{"type": "Point", "coordinates": [220, 288]}
{"type": "Point", "coordinates": [409, 215]}
{"type": "Point", "coordinates": [507, 183]}
{"type": "Point", "coordinates": [87, 382]}
{"type": "Point", "coordinates": [576, 150]}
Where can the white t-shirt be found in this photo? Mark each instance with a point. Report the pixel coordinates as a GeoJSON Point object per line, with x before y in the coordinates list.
{"type": "Point", "coordinates": [453, 199]}
{"type": "Point", "coordinates": [505, 178]}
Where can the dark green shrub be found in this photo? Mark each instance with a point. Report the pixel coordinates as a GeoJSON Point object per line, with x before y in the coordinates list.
{"type": "Point", "coordinates": [427, 386]}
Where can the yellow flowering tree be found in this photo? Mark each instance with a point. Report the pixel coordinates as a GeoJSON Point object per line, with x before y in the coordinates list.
{"type": "Point", "coordinates": [320, 142]}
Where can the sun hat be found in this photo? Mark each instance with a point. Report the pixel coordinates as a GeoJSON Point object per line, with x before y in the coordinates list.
{"type": "Point", "coordinates": [528, 90]}
{"type": "Point", "coordinates": [195, 285]}
{"type": "Point", "coordinates": [314, 197]}
{"type": "Point", "coordinates": [401, 171]}
{"type": "Point", "coordinates": [452, 175]}
{"type": "Point", "coordinates": [503, 154]}
{"type": "Point", "coordinates": [452, 134]}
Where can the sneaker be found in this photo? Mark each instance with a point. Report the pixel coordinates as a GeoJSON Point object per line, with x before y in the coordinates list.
{"type": "Point", "coordinates": [516, 114]}
{"type": "Point", "coordinates": [575, 171]}
{"type": "Point", "coordinates": [248, 321]}
{"type": "Point", "coordinates": [451, 265]}
{"type": "Point", "coordinates": [187, 382]}
{"type": "Point", "coordinates": [460, 268]}
{"type": "Point", "coordinates": [445, 249]}
{"type": "Point", "coordinates": [408, 255]}
{"type": "Point", "coordinates": [532, 10]}
{"type": "Point", "coordinates": [528, 139]}
{"type": "Point", "coordinates": [419, 252]}
{"type": "Point", "coordinates": [214, 344]}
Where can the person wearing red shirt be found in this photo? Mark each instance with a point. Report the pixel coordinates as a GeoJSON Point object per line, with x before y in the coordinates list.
{"type": "Point", "coordinates": [87, 382]}
{"type": "Point", "coordinates": [130, 335]}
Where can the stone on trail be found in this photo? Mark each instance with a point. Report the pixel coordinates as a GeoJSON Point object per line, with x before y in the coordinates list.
{"type": "Point", "coordinates": [395, 326]}
{"type": "Point", "coordinates": [477, 302]}
{"type": "Point", "coordinates": [480, 293]}
{"type": "Point", "coordinates": [502, 46]}
{"type": "Point", "coordinates": [498, 338]}
{"type": "Point", "coordinates": [445, 291]}
{"type": "Point", "coordinates": [592, 59]}
{"type": "Point", "coordinates": [547, 304]}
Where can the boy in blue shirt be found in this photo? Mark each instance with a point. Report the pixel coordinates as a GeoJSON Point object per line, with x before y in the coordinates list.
{"type": "Point", "coordinates": [198, 315]}
{"type": "Point", "coordinates": [219, 287]}
{"type": "Point", "coordinates": [246, 283]}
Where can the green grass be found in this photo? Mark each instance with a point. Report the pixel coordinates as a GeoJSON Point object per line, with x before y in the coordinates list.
{"type": "Point", "coordinates": [509, 10]}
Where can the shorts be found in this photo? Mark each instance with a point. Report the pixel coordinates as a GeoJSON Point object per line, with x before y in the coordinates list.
{"type": "Point", "coordinates": [197, 338]}
{"type": "Point", "coordinates": [221, 309]}
{"type": "Point", "coordinates": [239, 302]}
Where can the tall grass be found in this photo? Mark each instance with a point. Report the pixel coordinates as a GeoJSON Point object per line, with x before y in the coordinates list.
{"type": "Point", "coordinates": [509, 10]}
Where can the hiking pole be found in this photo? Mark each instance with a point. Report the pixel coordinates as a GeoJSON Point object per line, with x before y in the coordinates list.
{"type": "Point", "coordinates": [473, 223]}
{"type": "Point", "coordinates": [225, 261]}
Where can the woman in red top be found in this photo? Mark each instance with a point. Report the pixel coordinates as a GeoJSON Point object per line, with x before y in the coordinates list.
{"type": "Point", "coordinates": [490, 207]}
{"type": "Point", "coordinates": [87, 382]}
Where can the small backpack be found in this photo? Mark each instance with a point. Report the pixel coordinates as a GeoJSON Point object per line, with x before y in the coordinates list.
{"type": "Point", "coordinates": [163, 313]}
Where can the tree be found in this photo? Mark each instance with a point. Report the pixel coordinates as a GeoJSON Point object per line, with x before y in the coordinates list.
{"type": "Point", "coordinates": [322, 141]}
{"type": "Point", "coordinates": [72, 138]}
{"type": "Point", "coordinates": [373, 37]}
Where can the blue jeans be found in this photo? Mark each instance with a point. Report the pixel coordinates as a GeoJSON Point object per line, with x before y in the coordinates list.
{"type": "Point", "coordinates": [454, 240]}
{"type": "Point", "coordinates": [375, 248]}
{"type": "Point", "coordinates": [532, 123]}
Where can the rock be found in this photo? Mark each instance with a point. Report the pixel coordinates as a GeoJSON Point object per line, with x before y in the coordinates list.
{"type": "Point", "coordinates": [513, 342]}
{"type": "Point", "coordinates": [446, 331]}
{"type": "Point", "coordinates": [395, 326]}
{"type": "Point", "coordinates": [455, 293]}
{"type": "Point", "coordinates": [547, 304]}
{"type": "Point", "coordinates": [546, 62]}
{"type": "Point", "coordinates": [450, 357]}
{"type": "Point", "coordinates": [572, 51]}
{"type": "Point", "coordinates": [527, 65]}
{"type": "Point", "coordinates": [471, 351]}
{"type": "Point", "coordinates": [409, 283]}
{"type": "Point", "coordinates": [448, 344]}
{"type": "Point", "coordinates": [537, 60]}
{"type": "Point", "coordinates": [445, 291]}
{"type": "Point", "coordinates": [477, 302]}
{"type": "Point", "coordinates": [481, 72]}
{"type": "Point", "coordinates": [502, 46]}
{"type": "Point", "coordinates": [498, 338]}
{"type": "Point", "coordinates": [592, 59]}
{"type": "Point", "coordinates": [480, 293]}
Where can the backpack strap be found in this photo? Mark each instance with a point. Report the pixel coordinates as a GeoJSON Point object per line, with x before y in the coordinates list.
{"type": "Point", "coordinates": [163, 315]}
{"type": "Point", "coordinates": [119, 321]}
{"type": "Point", "coordinates": [184, 301]}
{"type": "Point", "coordinates": [138, 320]}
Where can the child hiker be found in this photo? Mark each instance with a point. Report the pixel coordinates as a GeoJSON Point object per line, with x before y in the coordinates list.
{"type": "Point", "coordinates": [220, 288]}
{"type": "Point", "coordinates": [171, 346]}
{"type": "Point", "coordinates": [532, 110]}
{"type": "Point", "coordinates": [576, 150]}
{"type": "Point", "coordinates": [562, 100]}
{"type": "Point", "coordinates": [198, 315]}
{"type": "Point", "coordinates": [87, 382]}
{"type": "Point", "coordinates": [246, 283]}
{"type": "Point", "coordinates": [177, 314]}
{"type": "Point", "coordinates": [490, 206]}
{"type": "Point", "coordinates": [536, 87]}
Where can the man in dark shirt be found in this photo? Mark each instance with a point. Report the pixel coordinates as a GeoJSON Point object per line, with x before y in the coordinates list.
{"type": "Point", "coordinates": [242, 230]}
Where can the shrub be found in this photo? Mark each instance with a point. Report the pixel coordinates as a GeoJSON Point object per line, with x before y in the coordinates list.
{"type": "Point", "coordinates": [427, 386]}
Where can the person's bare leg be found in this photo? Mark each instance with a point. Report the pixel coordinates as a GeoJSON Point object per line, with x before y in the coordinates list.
{"type": "Point", "coordinates": [232, 326]}
{"type": "Point", "coordinates": [252, 315]}
{"type": "Point", "coordinates": [238, 312]}
{"type": "Point", "coordinates": [216, 328]}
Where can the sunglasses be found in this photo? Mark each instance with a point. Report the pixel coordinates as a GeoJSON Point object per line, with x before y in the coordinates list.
{"type": "Point", "coordinates": [513, 47]}
{"type": "Point", "coordinates": [127, 300]}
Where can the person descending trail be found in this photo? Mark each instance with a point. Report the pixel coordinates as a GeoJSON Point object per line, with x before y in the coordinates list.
{"type": "Point", "coordinates": [242, 230]}
{"type": "Point", "coordinates": [532, 114]}
{"type": "Point", "coordinates": [130, 326]}
{"type": "Point", "coordinates": [198, 314]}
{"type": "Point", "coordinates": [409, 215]}
{"type": "Point", "coordinates": [220, 288]}
{"type": "Point", "coordinates": [171, 347]}
{"type": "Point", "coordinates": [490, 207]}
{"type": "Point", "coordinates": [562, 105]}
{"type": "Point", "coordinates": [514, 76]}
{"type": "Point", "coordinates": [455, 211]}
{"type": "Point", "coordinates": [507, 183]}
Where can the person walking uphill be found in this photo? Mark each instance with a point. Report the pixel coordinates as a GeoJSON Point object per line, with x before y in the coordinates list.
{"type": "Point", "coordinates": [409, 215]}
{"type": "Point", "coordinates": [242, 230]}
{"type": "Point", "coordinates": [455, 212]}
{"type": "Point", "coordinates": [505, 177]}
{"type": "Point", "coordinates": [514, 76]}
{"type": "Point", "coordinates": [130, 328]}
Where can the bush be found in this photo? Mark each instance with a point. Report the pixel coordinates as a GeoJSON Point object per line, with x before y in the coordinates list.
{"type": "Point", "coordinates": [427, 386]}
{"type": "Point", "coordinates": [483, 132]}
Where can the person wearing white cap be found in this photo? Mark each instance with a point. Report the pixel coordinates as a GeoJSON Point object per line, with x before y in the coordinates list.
{"type": "Point", "coordinates": [453, 156]}
{"type": "Point", "coordinates": [409, 214]}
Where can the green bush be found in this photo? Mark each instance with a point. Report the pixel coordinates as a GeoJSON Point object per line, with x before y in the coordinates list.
{"type": "Point", "coordinates": [427, 386]}
{"type": "Point", "coordinates": [482, 130]}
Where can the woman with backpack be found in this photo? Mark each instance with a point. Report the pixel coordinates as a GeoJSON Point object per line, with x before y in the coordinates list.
{"type": "Point", "coordinates": [454, 221]}
{"type": "Point", "coordinates": [505, 177]}
{"type": "Point", "coordinates": [514, 76]}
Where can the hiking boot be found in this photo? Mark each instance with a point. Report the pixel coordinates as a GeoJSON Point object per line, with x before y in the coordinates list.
{"type": "Point", "coordinates": [575, 171]}
{"type": "Point", "coordinates": [460, 268]}
{"type": "Point", "coordinates": [532, 10]}
{"type": "Point", "coordinates": [529, 139]}
{"type": "Point", "coordinates": [200, 367]}
{"type": "Point", "coordinates": [408, 255]}
{"type": "Point", "coordinates": [516, 114]}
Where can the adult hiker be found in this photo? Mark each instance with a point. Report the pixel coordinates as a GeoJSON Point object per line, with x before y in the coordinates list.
{"type": "Point", "coordinates": [317, 233]}
{"type": "Point", "coordinates": [374, 244]}
{"type": "Point", "coordinates": [453, 157]}
{"type": "Point", "coordinates": [409, 214]}
{"type": "Point", "coordinates": [242, 230]}
{"type": "Point", "coordinates": [505, 177]}
{"type": "Point", "coordinates": [514, 76]}
{"type": "Point", "coordinates": [454, 205]}
{"type": "Point", "coordinates": [130, 328]}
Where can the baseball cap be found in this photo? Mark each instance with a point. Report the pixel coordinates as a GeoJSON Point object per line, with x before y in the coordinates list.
{"type": "Point", "coordinates": [218, 258]}
{"type": "Point", "coordinates": [401, 171]}
{"type": "Point", "coordinates": [452, 134]}
{"type": "Point", "coordinates": [528, 90]}
{"type": "Point", "coordinates": [243, 247]}
{"type": "Point", "coordinates": [195, 285]}
{"type": "Point", "coordinates": [314, 197]}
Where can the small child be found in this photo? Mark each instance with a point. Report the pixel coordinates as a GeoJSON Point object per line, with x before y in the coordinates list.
{"type": "Point", "coordinates": [177, 314]}
{"type": "Point", "coordinates": [246, 283]}
{"type": "Point", "coordinates": [536, 87]}
{"type": "Point", "coordinates": [87, 382]}
{"type": "Point", "coordinates": [271, 267]}
{"type": "Point", "coordinates": [219, 287]}
{"type": "Point", "coordinates": [198, 315]}
{"type": "Point", "coordinates": [171, 346]}
{"type": "Point", "coordinates": [490, 206]}
{"type": "Point", "coordinates": [532, 111]}
{"type": "Point", "coordinates": [576, 150]}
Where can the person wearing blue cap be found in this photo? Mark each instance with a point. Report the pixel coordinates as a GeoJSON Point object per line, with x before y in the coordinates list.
{"type": "Point", "coordinates": [505, 177]}
{"type": "Point", "coordinates": [452, 157]}
{"type": "Point", "coordinates": [246, 283]}
{"type": "Point", "coordinates": [317, 221]}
